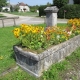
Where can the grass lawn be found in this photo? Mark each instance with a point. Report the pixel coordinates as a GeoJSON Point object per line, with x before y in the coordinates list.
{"type": "Point", "coordinates": [1, 16]}
{"type": "Point", "coordinates": [58, 71]}
{"type": "Point", "coordinates": [7, 40]}
{"type": "Point", "coordinates": [25, 13]}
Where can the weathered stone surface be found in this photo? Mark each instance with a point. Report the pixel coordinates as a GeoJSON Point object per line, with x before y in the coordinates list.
{"type": "Point", "coordinates": [35, 64]}
{"type": "Point", "coordinates": [51, 16]}
{"type": "Point", "coordinates": [52, 9]}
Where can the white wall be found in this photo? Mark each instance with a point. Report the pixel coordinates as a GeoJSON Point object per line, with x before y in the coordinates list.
{"type": "Point", "coordinates": [22, 7]}
{"type": "Point", "coordinates": [3, 8]}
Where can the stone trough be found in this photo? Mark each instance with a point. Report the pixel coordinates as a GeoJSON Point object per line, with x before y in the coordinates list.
{"type": "Point", "coordinates": [35, 64]}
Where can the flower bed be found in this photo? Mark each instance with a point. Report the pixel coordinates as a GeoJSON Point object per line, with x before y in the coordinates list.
{"type": "Point", "coordinates": [75, 22]}
{"type": "Point", "coordinates": [36, 38]}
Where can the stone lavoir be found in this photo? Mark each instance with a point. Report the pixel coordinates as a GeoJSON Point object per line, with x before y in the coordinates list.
{"type": "Point", "coordinates": [35, 64]}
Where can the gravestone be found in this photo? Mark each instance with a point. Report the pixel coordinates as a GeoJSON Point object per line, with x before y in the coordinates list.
{"type": "Point", "coordinates": [51, 16]}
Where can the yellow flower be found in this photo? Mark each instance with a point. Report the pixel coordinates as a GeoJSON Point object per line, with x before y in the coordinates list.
{"type": "Point", "coordinates": [1, 57]}
{"type": "Point", "coordinates": [16, 32]}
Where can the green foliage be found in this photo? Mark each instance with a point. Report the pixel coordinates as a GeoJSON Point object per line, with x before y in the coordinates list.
{"type": "Point", "coordinates": [41, 10]}
{"type": "Point", "coordinates": [16, 8]}
{"type": "Point", "coordinates": [48, 4]}
{"type": "Point", "coordinates": [36, 37]}
{"type": "Point", "coordinates": [76, 1]}
{"type": "Point", "coordinates": [2, 3]}
{"type": "Point", "coordinates": [53, 72]}
{"type": "Point", "coordinates": [34, 8]}
{"type": "Point", "coordinates": [72, 11]}
{"type": "Point", "coordinates": [57, 71]}
{"type": "Point", "coordinates": [75, 56]}
{"type": "Point", "coordinates": [60, 3]}
{"type": "Point", "coordinates": [11, 8]}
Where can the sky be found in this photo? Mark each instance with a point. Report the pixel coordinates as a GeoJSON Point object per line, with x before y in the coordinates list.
{"type": "Point", "coordinates": [32, 2]}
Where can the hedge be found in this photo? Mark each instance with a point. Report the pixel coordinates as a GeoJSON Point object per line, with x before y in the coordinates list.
{"type": "Point", "coordinates": [41, 9]}
{"type": "Point", "coordinates": [71, 11]}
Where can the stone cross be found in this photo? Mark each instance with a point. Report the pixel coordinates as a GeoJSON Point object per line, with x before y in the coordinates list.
{"type": "Point", "coordinates": [51, 16]}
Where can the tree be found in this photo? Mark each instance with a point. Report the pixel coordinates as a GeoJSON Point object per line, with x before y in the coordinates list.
{"type": "Point", "coordinates": [76, 1]}
{"type": "Point", "coordinates": [34, 8]}
{"type": "Point", "coordinates": [48, 4]}
{"type": "Point", "coordinates": [16, 8]}
{"type": "Point", "coordinates": [3, 3]}
{"type": "Point", "coordinates": [60, 3]}
{"type": "Point", "coordinates": [11, 8]}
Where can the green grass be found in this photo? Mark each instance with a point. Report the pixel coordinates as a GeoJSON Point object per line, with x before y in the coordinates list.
{"type": "Point", "coordinates": [61, 25]}
{"type": "Point", "coordinates": [58, 71]}
{"type": "Point", "coordinates": [7, 40]}
{"type": "Point", "coordinates": [25, 13]}
{"type": "Point", "coordinates": [1, 16]}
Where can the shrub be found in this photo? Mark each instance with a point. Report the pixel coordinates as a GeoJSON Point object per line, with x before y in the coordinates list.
{"type": "Point", "coordinates": [11, 8]}
{"type": "Point", "coordinates": [60, 3]}
{"type": "Point", "coordinates": [72, 11]}
{"type": "Point", "coordinates": [41, 10]}
{"type": "Point", "coordinates": [16, 8]}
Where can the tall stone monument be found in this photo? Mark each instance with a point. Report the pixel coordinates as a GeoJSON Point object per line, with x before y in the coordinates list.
{"type": "Point", "coordinates": [51, 16]}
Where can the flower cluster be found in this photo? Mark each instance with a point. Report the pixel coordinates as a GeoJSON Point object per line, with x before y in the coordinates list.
{"type": "Point", "coordinates": [75, 22]}
{"type": "Point", "coordinates": [30, 36]}
{"type": "Point", "coordinates": [75, 26]}
{"type": "Point", "coordinates": [36, 37]}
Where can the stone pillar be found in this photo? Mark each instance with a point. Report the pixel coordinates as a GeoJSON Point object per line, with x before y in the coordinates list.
{"type": "Point", "coordinates": [51, 16]}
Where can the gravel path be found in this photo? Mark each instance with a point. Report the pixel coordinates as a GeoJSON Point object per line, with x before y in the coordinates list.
{"type": "Point", "coordinates": [25, 20]}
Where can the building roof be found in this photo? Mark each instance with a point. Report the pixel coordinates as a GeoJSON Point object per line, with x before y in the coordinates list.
{"type": "Point", "coordinates": [22, 4]}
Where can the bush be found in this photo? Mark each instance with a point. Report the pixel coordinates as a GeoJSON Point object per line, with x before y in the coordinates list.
{"type": "Point", "coordinates": [16, 8]}
{"type": "Point", "coordinates": [71, 11]}
{"type": "Point", "coordinates": [11, 8]}
{"type": "Point", "coordinates": [0, 9]}
{"type": "Point", "coordinates": [41, 10]}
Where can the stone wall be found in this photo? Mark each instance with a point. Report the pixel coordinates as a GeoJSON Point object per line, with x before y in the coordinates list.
{"type": "Point", "coordinates": [35, 64]}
